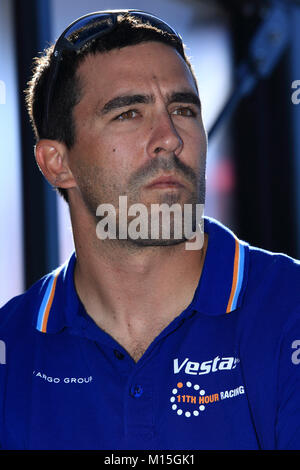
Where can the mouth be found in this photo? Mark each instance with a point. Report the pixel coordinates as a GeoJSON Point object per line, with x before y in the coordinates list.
{"type": "Point", "coordinates": [165, 182]}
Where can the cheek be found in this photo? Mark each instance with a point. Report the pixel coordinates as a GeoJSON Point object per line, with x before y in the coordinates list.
{"type": "Point", "coordinates": [195, 148]}
{"type": "Point", "coordinates": [124, 154]}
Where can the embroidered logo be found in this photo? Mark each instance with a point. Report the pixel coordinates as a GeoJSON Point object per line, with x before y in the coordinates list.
{"type": "Point", "coordinates": [190, 399]}
{"type": "Point", "coordinates": [65, 380]}
{"type": "Point", "coordinates": [205, 367]}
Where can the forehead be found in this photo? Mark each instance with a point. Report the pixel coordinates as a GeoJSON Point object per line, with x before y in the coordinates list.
{"type": "Point", "coordinates": [140, 66]}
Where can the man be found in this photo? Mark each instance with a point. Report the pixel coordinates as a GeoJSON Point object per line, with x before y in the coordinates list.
{"type": "Point", "coordinates": [143, 342]}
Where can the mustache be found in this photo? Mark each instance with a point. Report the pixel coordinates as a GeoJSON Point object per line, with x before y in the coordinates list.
{"type": "Point", "coordinates": [158, 164]}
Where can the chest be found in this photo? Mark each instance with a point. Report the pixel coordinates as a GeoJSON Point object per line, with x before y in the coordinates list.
{"type": "Point", "coordinates": [136, 342]}
{"type": "Point", "coordinates": [75, 393]}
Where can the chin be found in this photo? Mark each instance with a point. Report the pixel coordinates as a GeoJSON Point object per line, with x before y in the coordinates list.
{"type": "Point", "coordinates": [156, 242]}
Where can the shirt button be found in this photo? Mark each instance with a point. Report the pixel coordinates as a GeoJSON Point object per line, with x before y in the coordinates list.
{"type": "Point", "coordinates": [118, 354]}
{"type": "Point", "coordinates": [136, 391]}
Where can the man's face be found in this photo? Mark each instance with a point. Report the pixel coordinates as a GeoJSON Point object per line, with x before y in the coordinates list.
{"type": "Point", "coordinates": [139, 119]}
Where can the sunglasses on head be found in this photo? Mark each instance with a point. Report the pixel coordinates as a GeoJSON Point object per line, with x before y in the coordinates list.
{"type": "Point", "coordinates": [92, 26]}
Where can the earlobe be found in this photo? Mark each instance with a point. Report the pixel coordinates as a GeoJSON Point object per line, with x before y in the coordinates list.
{"type": "Point", "coordinates": [51, 157]}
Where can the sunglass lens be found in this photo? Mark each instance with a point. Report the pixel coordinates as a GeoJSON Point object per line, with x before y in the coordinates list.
{"type": "Point", "coordinates": [156, 22]}
{"type": "Point", "coordinates": [88, 27]}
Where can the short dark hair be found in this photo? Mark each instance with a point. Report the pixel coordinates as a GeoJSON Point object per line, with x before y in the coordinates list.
{"type": "Point", "coordinates": [68, 89]}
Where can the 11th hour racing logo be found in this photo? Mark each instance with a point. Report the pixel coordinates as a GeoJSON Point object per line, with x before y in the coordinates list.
{"type": "Point", "coordinates": [190, 398]}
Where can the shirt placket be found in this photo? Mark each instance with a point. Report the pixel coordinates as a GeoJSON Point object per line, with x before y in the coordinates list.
{"type": "Point", "coordinates": [139, 413]}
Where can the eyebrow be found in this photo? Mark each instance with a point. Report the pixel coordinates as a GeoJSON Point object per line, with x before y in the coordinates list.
{"type": "Point", "coordinates": [129, 100]}
{"type": "Point", "coordinates": [125, 100]}
{"type": "Point", "coordinates": [184, 97]}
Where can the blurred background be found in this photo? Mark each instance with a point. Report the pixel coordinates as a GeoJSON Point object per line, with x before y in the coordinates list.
{"type": "Point", "coordinates": [246, 56]}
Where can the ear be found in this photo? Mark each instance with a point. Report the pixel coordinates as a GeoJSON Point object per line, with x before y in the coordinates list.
{"type": "Point", "coordinates": [51, 157]}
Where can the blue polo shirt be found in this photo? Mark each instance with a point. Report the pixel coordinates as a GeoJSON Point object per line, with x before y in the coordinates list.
{"type": "Point", "coordinates": [224, 374]}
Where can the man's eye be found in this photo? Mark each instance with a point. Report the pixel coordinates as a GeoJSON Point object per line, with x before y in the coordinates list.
{"type": "Point", "coordinates": [184, 111]}
{"type": "Point", "coordinates": [131, 114]}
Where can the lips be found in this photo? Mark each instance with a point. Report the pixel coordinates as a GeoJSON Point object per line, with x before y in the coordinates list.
{"type": "Point", "coordinates": [165, 182]}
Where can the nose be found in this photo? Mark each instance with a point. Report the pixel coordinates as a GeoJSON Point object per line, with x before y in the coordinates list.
{"type": "Point", "coordinates": [164, 138]}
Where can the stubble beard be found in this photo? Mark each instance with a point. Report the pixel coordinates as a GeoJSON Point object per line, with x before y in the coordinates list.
{"type": "Point", "coordinates": [97, 188]}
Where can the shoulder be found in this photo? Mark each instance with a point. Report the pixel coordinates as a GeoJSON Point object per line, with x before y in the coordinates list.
{"type": "Point", "coordinates": [275, 274]}
{"type": "Point", "coordinates": [260, 277]}
{"type": "Point", "coordinates": [50, 294]}
{"type": "Point", "coordinates": [281, 260]}
{"type": "Point", "coordinates": [271, 305]}
{"type": "Point", "coordinates": [20, 310]}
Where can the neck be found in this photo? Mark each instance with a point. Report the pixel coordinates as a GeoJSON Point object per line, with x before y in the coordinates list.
{"type": "Point", "coordinates": [121, 286]}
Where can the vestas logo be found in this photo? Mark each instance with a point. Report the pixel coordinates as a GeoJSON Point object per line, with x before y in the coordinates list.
{"type": "Point", "coordinates": [201, 368]}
